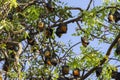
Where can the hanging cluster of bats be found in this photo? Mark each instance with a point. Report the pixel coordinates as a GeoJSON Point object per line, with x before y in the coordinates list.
{"type": "Point", "coordinates": [61, 29]}
{"type": "Point", "coordinates": [50, 58]}
{"type": "Point", "coordinates": [65, 71]}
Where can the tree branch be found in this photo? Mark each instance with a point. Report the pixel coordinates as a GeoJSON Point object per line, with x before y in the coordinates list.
{"type": "Point", "coordinates": [69, 21]}
{"type": "Point", "coordinates": [107, 8]}
{"type": "Point", "coordinates": [70, 49]}
{"type": "Point", "coordinates": [89, 4]}
{"type": "Point", "coordinates": [90, 34]}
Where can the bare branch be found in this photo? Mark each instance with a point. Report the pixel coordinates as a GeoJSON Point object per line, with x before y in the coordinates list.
{"type": "Point", "coordinates": [89, 4]}
{"type": "Point", "coordinates": [70, 49]}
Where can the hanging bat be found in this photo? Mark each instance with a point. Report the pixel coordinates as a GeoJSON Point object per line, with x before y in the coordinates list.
{"type": "Point", "coordinates": [31, 41]}
{"type": "Point", "coordinates": [40, 26]}
{"type": "Point", "coordinates": [117, 16]}
{"type": "Point", "coordinates": [49, 6]}
{"type": "Point", "coordinates": [65, 69]}
{"type": "Point", "coordinates": [54, 61]}
{"type": "Point", "coordinates": [76, 72]}
{"type": "Point", "coordinates": [6, 65]}
{"type": "Point", "coordinates": [114, 17]}
{"type": "Point", "coordinates": [98, 71]}
{"type": "Point", "coordinates": [48, 32]}
{"type": "Point", "coordinates": [48, 61]}
{"type": "Point", "coordinates": [62, 29]}
{"type": "Point", "coordinates": [47, 53]}
{"type": "Point", "coordinates": [84, 41]}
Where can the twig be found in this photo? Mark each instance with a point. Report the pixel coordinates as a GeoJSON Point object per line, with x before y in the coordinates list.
{"type": "Point", "coordinates": [70, 49]}
{"type": "Point", "coordinates": [89, 5]}
{"type": "Point", "coordinates": [113, 59]}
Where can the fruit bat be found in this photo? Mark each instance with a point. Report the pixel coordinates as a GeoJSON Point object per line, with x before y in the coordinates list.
{"type": "Point", "coordinates": [10, 16]}
{"type": "Point", "coordinates": [118, 47]}
{"type": "Point", "coordinates": [76, 72]}
{"type": "Point", "coordinates": [61, 29]}
{"type": "Point", "coordinates": [111, 17]}
{"type": "Point", "coordinates": [6, 65]}
{"type": "Point", "coordinates": [84, 41]}
{"type": "Point", "coordinates": [65, 69]}
{"type": "Point", "coordinates": [49, 6]}
{"type": "Point", "coordinates": [98, 71]}
{"type": "Point", "coordinates": [18, 8]}
{"type": "Point", "coordinates": [47, 53]}
{"type": "Point", "coordinates": [40, 26]}
{"type": "Point", "coordinates": [31, 41]}
{"type": "Point", "coordinates": [115, 75]}
{"type": "Point", "coordinates": [48, 32]}
{"type": "Point", "coordinates": [114, 17]}
{"type": "Point", "coordinates": [48, 61]}
{"type": "Point", "coordinates": [34, 48]}
{"type": "Point", "coordinates": [54, 61]}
